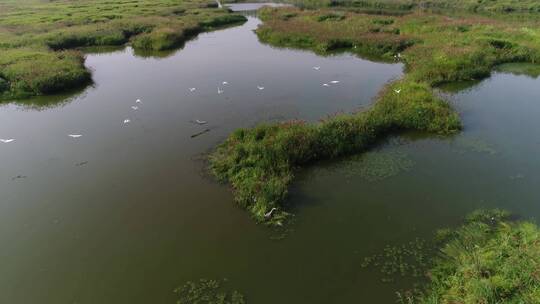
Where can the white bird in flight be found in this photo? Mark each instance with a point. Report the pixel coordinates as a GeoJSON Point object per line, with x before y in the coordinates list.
{"type": "Point", "coordinates": [325, 85]}
{"type": "Point", "coordinates": [135, 108]}
{"type": "Point", "coordinates": [219, 90]}
{"type": "Point", "coordinates": [138, 101]}
{"type": "Point", "coordinates": [316, 68]}
{"type": "Point", "coordinates": [74, 135]}
{"type": "Point", "coordinates": [334, 81]}
{"type": "Point", "coordinates": [192, 89]}
{"type": "Point", "coordinates": [225, 83]}
{"type": "Point", "coordinates": [7, 141]}
{"type": "Point", "coordinates": [200, 122]}
{"type": "Point", "coordinates": [397, 91]}
{"type": "Point", "coordinates": [260, 88]}
{"type": "Point", "coordinates": [126, 121]}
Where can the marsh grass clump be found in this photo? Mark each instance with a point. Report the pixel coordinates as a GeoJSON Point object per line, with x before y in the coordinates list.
{"type": "Point", "coordinates": [29, 72]}
{"type": "Point", "coordinates": [489, 259]}
{"type": "Point", "coordinates": [206, 291]}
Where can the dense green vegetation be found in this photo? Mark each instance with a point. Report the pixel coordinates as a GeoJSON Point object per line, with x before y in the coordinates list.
{"type": "Point", "coordinates": [481, 6]}
{"type": "Point", "coordinates": [489, 259]}
{"type": "Point", "coordinates": [436, 49]}
{"type": "Point", "coordinates": [37, 38]}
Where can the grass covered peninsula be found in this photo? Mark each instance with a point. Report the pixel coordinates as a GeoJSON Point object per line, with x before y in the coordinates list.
{"type": "Point", "coordinates": [38, 39]}
{"type": "Point", "coordinates": [436, 48]}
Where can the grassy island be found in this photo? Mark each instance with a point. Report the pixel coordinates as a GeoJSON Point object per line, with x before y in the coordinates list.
{"type": "Point", "coordinates": [436, 48]}
{"type": "Point", "coordinates": [38, 39]}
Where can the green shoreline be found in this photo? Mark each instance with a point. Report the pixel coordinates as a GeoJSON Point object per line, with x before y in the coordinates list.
{"type": "Point", "coordinates": [259, 163]}
{"type": "Point", "coordinates": [39, 42]}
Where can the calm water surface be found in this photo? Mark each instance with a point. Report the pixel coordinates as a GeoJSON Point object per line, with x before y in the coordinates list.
{"type": "Point", "coordinates": [126, 213]}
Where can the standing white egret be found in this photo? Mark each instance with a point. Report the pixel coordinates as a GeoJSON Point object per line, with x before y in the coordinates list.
{"type": "Point", "coordinates": [269, 213]}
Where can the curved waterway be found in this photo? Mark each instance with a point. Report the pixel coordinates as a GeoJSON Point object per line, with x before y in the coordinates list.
{"type": "Point", "coordinates": [126, 212]}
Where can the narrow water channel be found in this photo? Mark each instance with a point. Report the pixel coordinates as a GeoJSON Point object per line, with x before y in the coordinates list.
{"type": "Point", "coordinates": [126, 212]}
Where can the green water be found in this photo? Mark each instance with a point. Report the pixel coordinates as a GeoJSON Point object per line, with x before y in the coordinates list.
{"type": "Point", "coordinates": [127, 213]}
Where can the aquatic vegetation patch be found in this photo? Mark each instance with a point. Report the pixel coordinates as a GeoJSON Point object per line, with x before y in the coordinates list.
{"type": "Point", "coordinates": [406, 260]}
{"type": "Point", "coordinates": [206, 291]}
{"type": "Point", "coordinates": [478, 145]}
{"type": "Point", "coordinates": [377, 165]}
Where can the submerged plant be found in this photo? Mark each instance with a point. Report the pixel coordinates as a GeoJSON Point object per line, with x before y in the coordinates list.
{"type": "Point", "coordinates": [407, 260]}
{"type": "Point", "coordinates": [378, 165]}
{"type": "Point", "coordinates": [206, 291]}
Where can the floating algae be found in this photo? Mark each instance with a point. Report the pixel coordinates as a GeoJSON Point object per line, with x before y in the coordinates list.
{"type": "Point", "coordinates": [377, 165]}
{"type": "Point", "coordinates": [407, 260]}
{"type": "Point", "coordinates": [465, 144]}
{"type": "Point", "coordinates": [207, 291]}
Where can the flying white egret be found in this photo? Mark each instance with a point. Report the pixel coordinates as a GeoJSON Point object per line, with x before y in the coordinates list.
{"type": "Point", "coordinates": [201, 122]}
{"type": "Point", "coordinates": [135, 108]}
{"type": "Point", "coordinates": [74, 135]}
{"type": "Point", "coordinates": [260, 88]}
{"type": "Point", "coordinates": [269, 213]}
{"type": "Point", "coordinates": [192, 89]}
{"type": "Point", "coordinates": [219, 90]}
{"type": "Point", "coordinates": [225, 83]}
{"type": "Point", "coordinates": [397, 91]}
{"type": "Point", "coordinates": [316, 68]}
{"type": "Point", "coordinates": [138, 101]}
{"type": "Point", "coordinates": [325, 85]}
{"type": "Point", "coordinates": [126, 121]}
{"type": "Point", "coordinates": [7, 141]}
{"type": "Point", "coordinates": [334, 81]}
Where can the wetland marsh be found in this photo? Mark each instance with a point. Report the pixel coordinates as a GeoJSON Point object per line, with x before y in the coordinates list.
{"type": "Point", "coordinates": [127, 213]}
